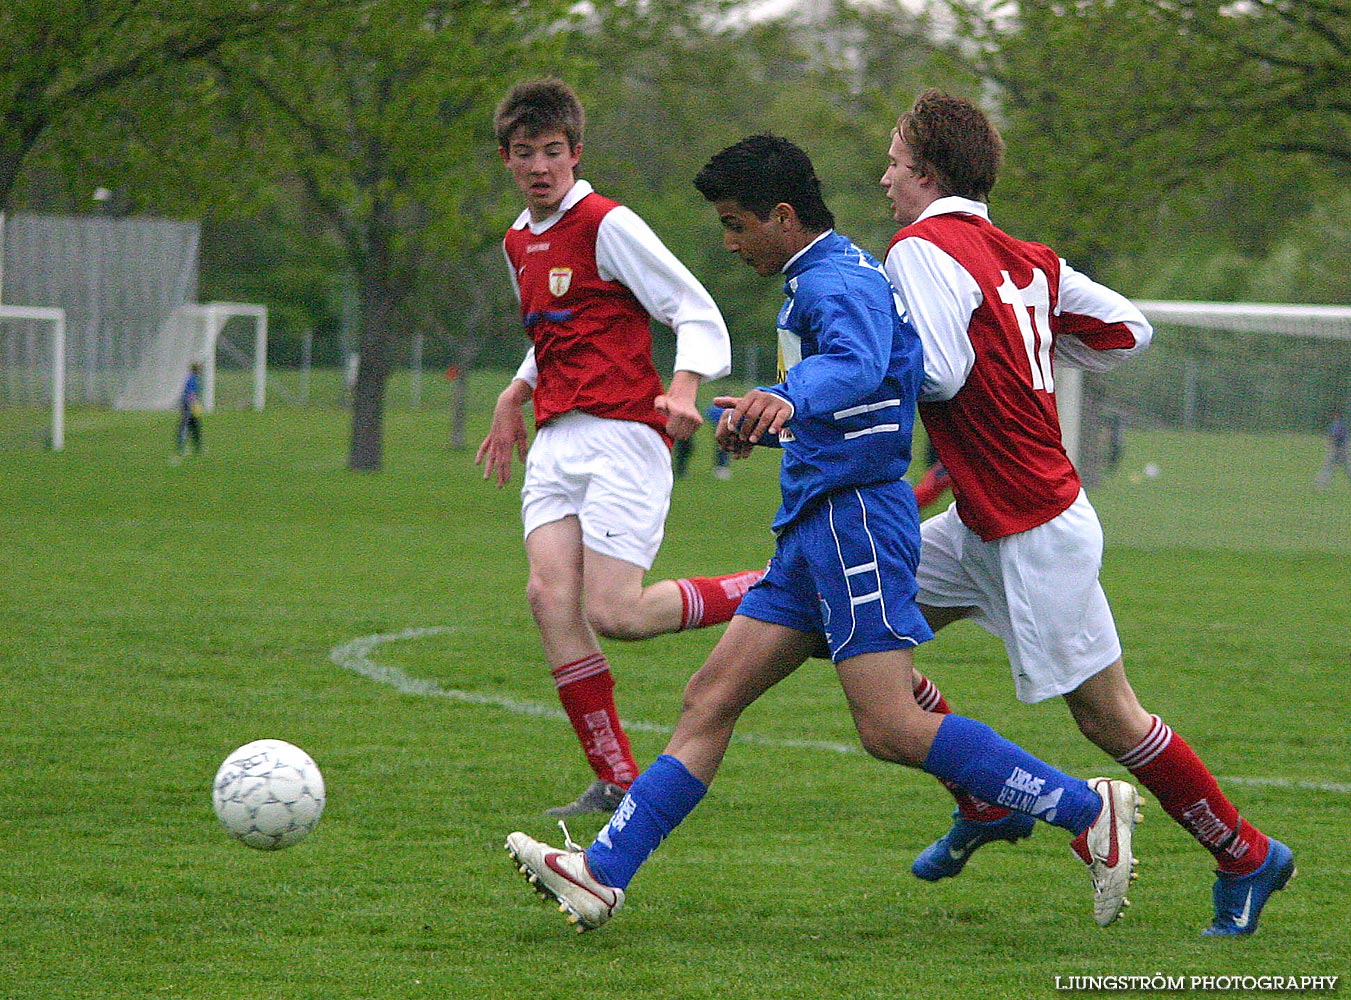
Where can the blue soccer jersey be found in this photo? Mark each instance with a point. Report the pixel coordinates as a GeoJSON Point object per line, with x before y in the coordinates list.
{"type": "Point", "coordinates": [851, 365]}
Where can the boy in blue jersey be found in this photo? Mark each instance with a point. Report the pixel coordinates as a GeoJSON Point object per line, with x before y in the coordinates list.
{"type": "Point", "coordinates": [190, 411]}
{"type": "Point", "coordinates": [843, 569]}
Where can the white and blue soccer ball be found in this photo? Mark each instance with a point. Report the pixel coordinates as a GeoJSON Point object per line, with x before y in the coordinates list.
{"type": "Point", "coordinates": [269, 794]}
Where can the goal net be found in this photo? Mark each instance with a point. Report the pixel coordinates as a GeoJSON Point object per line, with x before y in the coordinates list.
{"type": "Point", "coordinates": [229, 340]}
{"type": "Point", "coordinates": [1230, 409]}
{"type": "Point", "coordinates": [118, 280]}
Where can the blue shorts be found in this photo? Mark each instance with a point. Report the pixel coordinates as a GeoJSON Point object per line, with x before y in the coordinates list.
{"type": "Point", "coordinates": [846, 570]}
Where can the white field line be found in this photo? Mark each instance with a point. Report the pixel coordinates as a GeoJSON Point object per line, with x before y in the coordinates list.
{"type": "Point", "coordinates": [356, 656]}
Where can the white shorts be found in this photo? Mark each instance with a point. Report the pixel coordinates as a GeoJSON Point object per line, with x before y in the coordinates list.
{"type": "Point", "coordinates": [1037, 590]}
{"type": "Point", "coordinates": [613, 475]}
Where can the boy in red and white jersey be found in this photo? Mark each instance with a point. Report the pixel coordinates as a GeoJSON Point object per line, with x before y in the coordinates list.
{"type": "Point", "coordinates": [590, 275]}
{"type": "Point", "coordinates": [1020, 549]}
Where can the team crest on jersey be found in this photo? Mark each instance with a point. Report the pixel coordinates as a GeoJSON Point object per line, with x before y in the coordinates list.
{"type": "Point", "coordinates": [560, 280]}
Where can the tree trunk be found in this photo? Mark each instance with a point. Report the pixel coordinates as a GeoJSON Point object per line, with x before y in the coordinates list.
{"type": "Point", "coordinates": [459, 403]}
{"type": "Point", "coordinates": [368, 396]}
{"type": "Point", "coordinates": [466, 356]}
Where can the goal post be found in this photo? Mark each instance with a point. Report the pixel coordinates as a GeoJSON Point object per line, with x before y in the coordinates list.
{"type": "Point", "coordinates": [216, 315]}
{"type": "Point", "coordinates": [44, 371]}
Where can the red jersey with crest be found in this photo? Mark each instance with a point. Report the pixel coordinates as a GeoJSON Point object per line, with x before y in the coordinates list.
{"type": "Point", "coordinates": [592, 339]}
{"type": "Point", "coordinates": [997, 432]}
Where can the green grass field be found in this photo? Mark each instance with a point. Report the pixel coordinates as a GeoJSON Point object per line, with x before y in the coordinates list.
{"type": "Point", "coordinates": [157, 615]}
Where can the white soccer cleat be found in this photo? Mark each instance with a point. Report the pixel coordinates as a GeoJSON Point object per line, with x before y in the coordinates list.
{"type": "Point", "coordinates": [565, 878]}
{"type": "Point", "coordinates": [1106, 847]}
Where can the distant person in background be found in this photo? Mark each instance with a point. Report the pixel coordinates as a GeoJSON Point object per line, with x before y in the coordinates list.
{"type": "Point", "coordinates": [1020, 551]}
{"type": "Point", "coordinates": [1339, 452]}
{"type": "Point", "coordinates": [681, 450]}
{"type": "Point", "coordinates": [1116, 439]}
{"type": "Point", "coordinates": [190, 411]}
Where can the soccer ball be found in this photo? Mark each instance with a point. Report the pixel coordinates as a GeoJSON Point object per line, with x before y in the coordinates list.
{"type": "Point", "coordinates": [269, 794]}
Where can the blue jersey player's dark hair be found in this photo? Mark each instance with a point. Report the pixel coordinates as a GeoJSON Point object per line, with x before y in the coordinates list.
{"type": "Point", "coordinates": [762, 171]}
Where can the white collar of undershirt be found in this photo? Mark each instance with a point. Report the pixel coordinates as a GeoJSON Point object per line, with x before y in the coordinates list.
{"type": "Point", "coordinates": [953, 204]}
{"type": "Point", "coordinates": [805, 249]}
{"type": "Point", "coordinates": [576, 193]}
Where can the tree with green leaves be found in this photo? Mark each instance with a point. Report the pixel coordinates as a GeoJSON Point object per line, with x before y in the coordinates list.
{"type": "Point", "coordinates": [58, 56]}
{"type": "Point", "coordinates": [381, 112]}
{"type": "Point", "coordinates": [1132, 123]}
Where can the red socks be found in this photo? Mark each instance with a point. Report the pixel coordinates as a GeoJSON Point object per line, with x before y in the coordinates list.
{"type": "Point", "coordinates": [712, 600]}
{"type": "Point", "coordinates": [586, 689]}
{"type": "Point", "coordinates": [929, 698]}
{"type": "Point", "coordinates": [1189, 793]}
{"type": "Point", "coordinates": [1168, 767]}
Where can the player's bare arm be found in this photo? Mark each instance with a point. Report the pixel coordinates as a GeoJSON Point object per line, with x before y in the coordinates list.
{"type": "Point", "coordinates": [680, 406]}
{"type": "Point", "coordinates": [507, 433]}
{"type": "Point", "coordinates": [755, 414]}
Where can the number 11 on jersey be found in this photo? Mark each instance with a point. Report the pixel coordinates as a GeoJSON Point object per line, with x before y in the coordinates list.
{"type": "Point", "coordinates": [1032, 308]}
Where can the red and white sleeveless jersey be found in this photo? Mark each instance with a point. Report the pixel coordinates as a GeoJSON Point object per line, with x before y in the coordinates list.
{"type": "Point", "coordinates": [593, 345]}
{"type": "Point", "coordinates": [996, 315]}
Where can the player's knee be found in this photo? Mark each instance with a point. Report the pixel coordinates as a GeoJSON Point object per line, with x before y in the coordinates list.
{"type": "Point", "coordinates": [881, 746]}
{"type": "Point", "coordinates": [707, 714]}
{"type": "Point", "coordinates": [890, 743]}
{"type": "Point", "coordinates": [612, 620]}
{"type": "Point", "coordinates": [537, 595]}
{"type": "Point", "coordinates": [550, 600]}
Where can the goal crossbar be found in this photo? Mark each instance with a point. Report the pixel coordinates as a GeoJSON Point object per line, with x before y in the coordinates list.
{"type": "Point", "coordinates": [1332, 322]}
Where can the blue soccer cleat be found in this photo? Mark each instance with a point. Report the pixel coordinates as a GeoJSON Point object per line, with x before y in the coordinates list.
{"type": "Point", "coordinates": [947, 856]}
{"type": "Point", "coordinates": [1239, 898]}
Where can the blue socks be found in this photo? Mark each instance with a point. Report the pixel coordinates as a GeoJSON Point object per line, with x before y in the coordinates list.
{"type": "Point", "coordinates": [973, 756]}
{"type": "Point", "coordinates": [662, 796]}
{"type": "Point", "coordinates": [965, 752]}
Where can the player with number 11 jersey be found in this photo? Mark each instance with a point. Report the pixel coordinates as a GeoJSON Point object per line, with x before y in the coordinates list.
{"type": "Point", "coordinates": [993, 311]}
{"type": "Point", "coordinates": [1020, 551]}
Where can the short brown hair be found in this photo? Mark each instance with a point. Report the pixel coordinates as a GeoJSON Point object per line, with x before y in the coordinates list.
{"type": "Point", "coordinates": [955, 140]}
{"type": "Point", "coordinates": [540, 106]}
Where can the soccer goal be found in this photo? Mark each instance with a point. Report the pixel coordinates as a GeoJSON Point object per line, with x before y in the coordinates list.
{"type": "Point", "coordinates": [1213, 366]}
{"type": "Point", "coordinates": [33, 365]}
{"type": "Point", "coordinates": [229, 341]}
{"type": "Point", "coordinates": [124, 291]}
